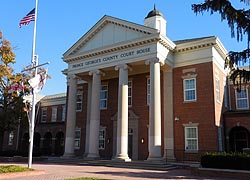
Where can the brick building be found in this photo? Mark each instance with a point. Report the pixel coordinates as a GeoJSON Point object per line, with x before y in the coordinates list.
{"type": "Point", "coordinates": [134, 94]}
{"type": "Point", "coordinates": [143, 96]}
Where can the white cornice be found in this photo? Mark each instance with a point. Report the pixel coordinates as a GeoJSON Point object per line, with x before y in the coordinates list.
{"type": "Point", "coordinates": [53, 100]}
{"type": "Point", "coordinates": [165, 41]}
{"type": "Point", "coordinates": [205, 47]}
{"type": "Point", "coordinates": [102, 23]}
{"type": "Point", "coordinates": [221, 49]}
{"type": "Point", "coordinates": [123, 46]}
{"type": "Point", "coordinates": [202, 43]}
{"type": "Point", "coordinates": [111, 49]}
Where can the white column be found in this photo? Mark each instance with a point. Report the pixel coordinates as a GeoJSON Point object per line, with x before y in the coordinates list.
{"type": "Point", "coordinates": [168, 115]}
{"type": "Point", "coordinates": [88, 118]}
{"type": "Point", "coordinates": [154, 111]}
{"type": "Point", "coordinates": [71, 117]}
{"type": "Point", "coordinates": [94, 126]}
{"type": "Point", "coordinates": [122, 115]}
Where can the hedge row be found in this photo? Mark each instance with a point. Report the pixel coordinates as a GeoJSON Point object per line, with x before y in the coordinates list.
{"type": "Point", "coordinates": [223, 160]}
{"type": "Point", "coordinates": [12, 153]}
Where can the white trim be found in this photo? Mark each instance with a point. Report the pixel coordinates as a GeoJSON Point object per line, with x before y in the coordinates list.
{"type": "Point", "coordinates": [184, 90]}
{"type": "Point", "coordinates": [43, 115]}
{"type": "Point", "coordinates": [104, 21]}
{"type": "Point", "coordinates": [104, 99]}
{"type": "Point", "coordinates": [186, 128]}
{"type": "Point", "coordinates": [52, 100]}
{"type": "Point", "coordinates": [54, 114]}
{"type": "Point", "coordinates": [78, 145]}
{"type": "Point", "coordinates": [217, 89]}
{"type": "Point", "coordinates": [79, 103]}
{"type": "Point", "coordinates": [245, 98]}
{"type": "Point", "coordinates": [102, 138]}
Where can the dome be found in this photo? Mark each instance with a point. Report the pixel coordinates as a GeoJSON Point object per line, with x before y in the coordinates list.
{"type": "Point", "coordinates": [154, 13]}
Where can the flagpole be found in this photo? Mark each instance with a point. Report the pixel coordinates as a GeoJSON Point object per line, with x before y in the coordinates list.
{"type": "Point", "coordinates": [34, 61]}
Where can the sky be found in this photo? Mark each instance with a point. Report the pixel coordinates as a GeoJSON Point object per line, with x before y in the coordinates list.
{"type": "Point", "coordinates": [60, 23]}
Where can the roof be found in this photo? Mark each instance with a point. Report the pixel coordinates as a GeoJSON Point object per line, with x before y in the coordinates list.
{"type": "Point", "coordinates": [177, 42]}
{"type": "Point", "coordinates": [99, 27]}
{"type": "Point", "coordinates": [154, 12]}
{"type": "Point", "coordinates": [61, 95]}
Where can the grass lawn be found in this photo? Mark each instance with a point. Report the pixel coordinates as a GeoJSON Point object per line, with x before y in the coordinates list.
{"type": "Point", "coordinates": [13, 168]}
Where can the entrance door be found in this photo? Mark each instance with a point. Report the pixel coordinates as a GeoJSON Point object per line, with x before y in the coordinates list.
{"type": "Point", "coordinates": [239, 139]}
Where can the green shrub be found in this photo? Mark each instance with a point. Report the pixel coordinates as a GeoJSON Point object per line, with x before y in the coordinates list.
{"type": "Point", "coordinates": [223, 160]}
{"type": "Point", "coordinates": [11, 153]}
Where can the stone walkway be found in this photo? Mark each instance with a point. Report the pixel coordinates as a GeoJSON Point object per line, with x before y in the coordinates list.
{"type": "Point", "coordinates": [66, 171]}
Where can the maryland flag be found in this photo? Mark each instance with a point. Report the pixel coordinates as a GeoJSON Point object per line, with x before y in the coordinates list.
{"type": "Point", "coordinates": [38, 81]}
{"type": "Point", "coordinates": [16, 87]}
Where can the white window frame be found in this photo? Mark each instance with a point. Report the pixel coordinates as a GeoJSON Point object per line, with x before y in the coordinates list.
{"type": "Point", "coordinates": [191, 89]}
{"type": "Point", "coordinates": [130, 93]}
{"type": "Point", "coordinates": [44, 114]}
{"type": "Point", "coordinates": [242, 99]}
{"type": "Point", "coordinates": [79, 98]}
{"type": "Point", "coordinates": [102, 137]}
{"type": "Point", "coordinates": [11, 138]}
{"type": "Point", "coordinates": [217, 89]}
{"type": "Point", "coordinates": [148, 91]}
{"type": "Point", "coordinates": [104, 99]}
{"type": "Point", "coordinates": [188, 127]}
{"type": "Point", "coordinates": [54, 114]}
{"type": "Point", "coordinates": [77, 144]}
{"type": "Point", "coordinates": [63, 112]}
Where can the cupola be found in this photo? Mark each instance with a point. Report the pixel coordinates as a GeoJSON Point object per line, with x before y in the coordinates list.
{"type": "Point", "coordinates": [155, 19]}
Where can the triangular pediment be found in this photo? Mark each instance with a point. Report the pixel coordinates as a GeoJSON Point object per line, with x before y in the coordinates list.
{"type": "Point", "coordinates": [106, 32]}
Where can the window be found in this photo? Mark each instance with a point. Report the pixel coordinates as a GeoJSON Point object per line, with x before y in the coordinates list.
{"type": "Point", "coordinates": [191, 138]}
{"type": "Point", "coordinates": [242, 99]}
{"type": "Point", "coordinates": [79, 101]}
{"type": "Point", "coordinates": [11, 138]}
{"type": "Point", "coordinates": [44, 115]}
{"type": "Point", "coordinates": [102, 133]}
{"type": "Point", "coordinates": [148, 91]}
{"type": "Point", "coordinates": [54, 114]}
{"type": "Point", "coordinates": [130, 93]}
{"type": "Point", "coordinates": [189, 89]}
{"type": "Point", "coordinates": [225, 98]}
{"type": "Point", "coordinates": [217, 88]}
{"type": "Point", "coordinates": [63, 112]}
{"type": "Point", "coordinates": [77, 138]}
{"type": "Point", "coordinates": [103, 96]}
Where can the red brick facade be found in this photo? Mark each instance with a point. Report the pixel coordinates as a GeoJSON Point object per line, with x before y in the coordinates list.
{"type": "Point", "coordinates": [196, 102]}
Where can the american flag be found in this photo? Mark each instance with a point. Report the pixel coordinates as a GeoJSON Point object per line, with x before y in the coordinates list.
{"type": "Point", "coordinates": [28, 18]}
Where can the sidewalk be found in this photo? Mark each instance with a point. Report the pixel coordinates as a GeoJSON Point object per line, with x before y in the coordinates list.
{"type": "Point", "coordinates": [66, 171]}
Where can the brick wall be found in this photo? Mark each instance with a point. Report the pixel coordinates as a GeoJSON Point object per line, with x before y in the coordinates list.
{"type": "Point", "coordinates": [200, 111]}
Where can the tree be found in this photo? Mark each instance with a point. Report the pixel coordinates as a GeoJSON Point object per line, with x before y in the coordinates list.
{"type": "Point", "coordinates": [13, 86]}
{"type": "Point", "coordinates": [239, 22]}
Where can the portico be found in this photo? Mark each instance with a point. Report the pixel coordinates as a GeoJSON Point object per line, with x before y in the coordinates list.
{"type": "Point", "coordinates": [117, 49]}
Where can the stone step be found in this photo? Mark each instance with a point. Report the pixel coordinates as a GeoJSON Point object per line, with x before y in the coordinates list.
{"type": "Point", "coordinates": [160, 165]}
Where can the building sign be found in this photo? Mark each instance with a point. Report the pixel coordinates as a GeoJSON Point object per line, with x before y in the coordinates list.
{"type": "Point", "coordinates": [111, 58]}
